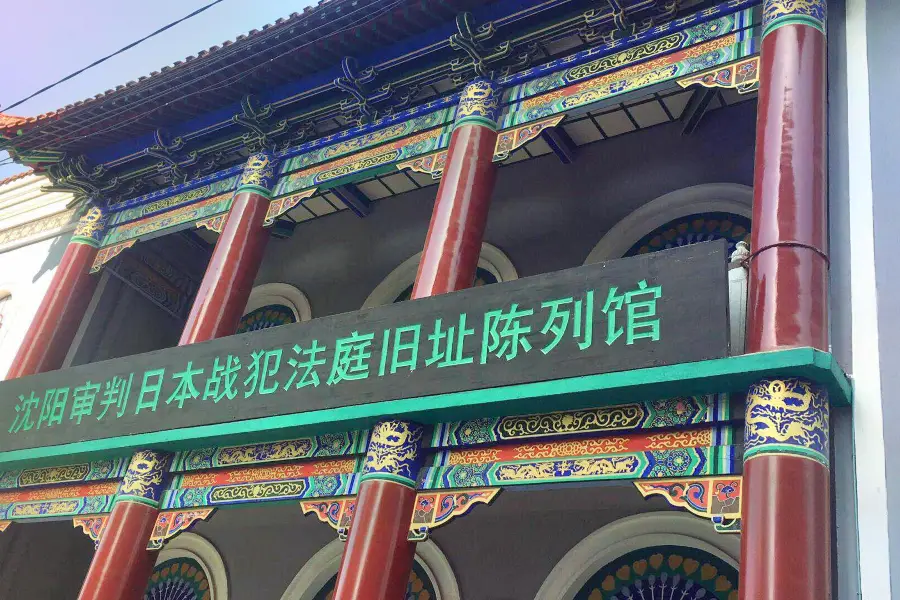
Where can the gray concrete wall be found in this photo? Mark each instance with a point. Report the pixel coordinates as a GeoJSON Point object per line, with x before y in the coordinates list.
{"type": "Point", "coordinates": [498, 552]}
{"type": "Point", "coordinates": [882, 22]}
{"type": "Point", "coordinates": [43, 561]}
{"type": "Point", "coordinates": [545, 215]}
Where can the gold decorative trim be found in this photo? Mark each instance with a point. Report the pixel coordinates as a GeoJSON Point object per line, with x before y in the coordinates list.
{"type": "Point", "coordinates": [280, 206]}
{"type": "Point", "coordinates": [104, 255]}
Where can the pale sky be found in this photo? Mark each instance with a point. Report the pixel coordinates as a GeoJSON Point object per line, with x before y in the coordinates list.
{"type": "Point", "coordinates": [46, 40]}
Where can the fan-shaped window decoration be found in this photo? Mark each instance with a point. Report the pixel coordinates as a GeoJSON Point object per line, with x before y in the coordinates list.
{"type": "Point", "coordinates": [693, 229]}
{"type": "Point", "coordinates": [271, 315]}
{"type": "Point", "coordinates": [482, 277]}
{"type": "Point", "coordinates": [178, 579]}
{"type": "Point", "coordinates": [663, 572]}
{"type": "Point", "coordinates": [420, 586]}
{"type": "Point", "coordinates": [274, 304]}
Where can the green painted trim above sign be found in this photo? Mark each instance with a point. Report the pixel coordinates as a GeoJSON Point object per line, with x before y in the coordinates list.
{"type": "Point", "coordinates": [731, 374]}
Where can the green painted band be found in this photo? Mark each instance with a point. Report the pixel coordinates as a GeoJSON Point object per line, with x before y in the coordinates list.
{"type": "Point", "coordinates": [735, 373]}
{"type": "Point", "coordinates": [483, 121]}
{"type": "Point", "coordinates": [404, 481]}
{"type": "Point", "coordinates": [794, 20]}
{"type": "Point", "coordinates": [785, 450]}
{"type": "Point", "coordinates": [254, 189]}
{"type": "Point", "coordinates": [78, 239]}
{"type": "Point", "coordinates": [136, 500]}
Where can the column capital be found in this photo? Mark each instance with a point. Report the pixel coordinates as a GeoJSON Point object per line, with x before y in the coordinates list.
{"type": "Point", "coordinates": [258, 175]}
{"type": "Point", "coordinates": [91, 227]}
{"type": "Point", "coordinates": [145, 478]}
{"type": "Point", "coordinates": [787, 416]}
{"type": "Point", "coordinates": [394, 452]}
{"type": "Point", "coordinates": [479, 104]}
{"type": "Point", "coordinates": [778, 13]}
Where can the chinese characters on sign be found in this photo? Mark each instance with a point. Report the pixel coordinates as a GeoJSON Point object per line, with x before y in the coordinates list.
{"type": "Point", "coordinates": [588, 320]}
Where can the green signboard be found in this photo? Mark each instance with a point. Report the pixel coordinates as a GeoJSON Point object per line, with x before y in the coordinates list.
{"type": "Point", "coordinates": [657, 309]}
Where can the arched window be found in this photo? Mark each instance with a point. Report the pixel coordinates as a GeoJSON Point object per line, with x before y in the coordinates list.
{"type": "Point", "coordinates": [431, 578]}
{"type": "Point", "coordinates": [686, 216]}
{"type": "Point", "coordinates": [664, 572]}
{"type": "Point", "coordinates": [188, 568]}
{"type": "Point", "coordinates": [420, 586]}
{"type": "Point", "coordinates": [693, 229]}
{"type": "Point", "coordinates": [493, 267]}
{"type": "Point", "coordinates": [635, 557]}
{"type": "Point", "coordinates": [274, 304]}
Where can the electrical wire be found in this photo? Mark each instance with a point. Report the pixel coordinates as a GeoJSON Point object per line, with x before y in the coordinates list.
{"type": "Point", "coordinates": [66, 140]}
{"type": "Point", "coordinates": [116, 53]}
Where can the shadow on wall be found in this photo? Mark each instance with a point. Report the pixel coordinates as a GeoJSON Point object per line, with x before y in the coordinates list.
{"type": "Point", "coordinates": [54, 255]}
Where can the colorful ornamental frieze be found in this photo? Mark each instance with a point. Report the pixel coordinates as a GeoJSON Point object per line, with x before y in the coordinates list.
{"type": "Point", "coordinates": [84, 472]}
{"type": "Point", "coordinates": [669, 412]}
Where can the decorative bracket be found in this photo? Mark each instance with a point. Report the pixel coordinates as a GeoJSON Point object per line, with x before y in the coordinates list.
{"type": "Point", "coordinates": [171, 523]}
{"type": "Point", "coordinates": [432, 510]}
{"type": "Point", "coordinates": [513, 139]}
{"type": "Point", "coordinates": [279, 206]}
{"type": "Point", "coordinates": [215, 223]}
{"type": "Point", "coordinates": [92, 526]}
{"type": "Point", "coordinates": [470, 39]}
{"type": "Point", "coordinates": [742, 75]}
{"type": "Point", "coordinates": [168, 525]}
{"type": "Point", "coordinates": [508, 141]}
{"type": "Point", "coordinates": [715, 498]}
{"type": "Point", "coordinates": [104, 255]}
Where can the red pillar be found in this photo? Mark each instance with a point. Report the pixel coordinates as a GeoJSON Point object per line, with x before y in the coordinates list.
{"type": "Point", "coordinates": [786, 530]}
{"type": "Point", "coordinates": [122, 564]}
{"type": "Point", "coordinates": [61, 310]}
{"type": "Point", "coordinates": [226, 286]}
{"type": "Point", "coordinates": [378, 557]}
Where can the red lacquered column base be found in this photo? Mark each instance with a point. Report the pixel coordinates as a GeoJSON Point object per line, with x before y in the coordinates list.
{"type": "Point", "coordinates": [226, 286]}
{"type": "Point", "coordinates": [453, 244]}
{"type": "Point", "coordinates": [786, 529]}
{"type": "Point", "coordinates": [59, 315]}
{"type": "Point", "coordinates": [122, 565]}
{"type": "Point", "coordinates": [378, 558]}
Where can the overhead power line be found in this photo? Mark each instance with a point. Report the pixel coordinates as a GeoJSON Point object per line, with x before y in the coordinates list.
{"type": "Point", "coordinates": [117, 52]}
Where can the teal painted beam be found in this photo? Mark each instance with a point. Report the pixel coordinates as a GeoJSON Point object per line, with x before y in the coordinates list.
{"type": "Point", "coordinates": [730, 374]}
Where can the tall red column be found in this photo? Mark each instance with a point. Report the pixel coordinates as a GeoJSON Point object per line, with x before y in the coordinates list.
{"type": "Point", "coordinates": [122, 564]}
{"type": "Point", "coordinates": [786, 530]}
{"type": "Point", "coordinates": [378, 557]}
{"type": "Point", "coordinates": [61, 310]}
{"type": "Point", "coordinates": [235, 262]}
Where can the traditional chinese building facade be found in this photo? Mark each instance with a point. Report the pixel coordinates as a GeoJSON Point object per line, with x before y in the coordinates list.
{"type": "Point", "coordinates": [456, 299]}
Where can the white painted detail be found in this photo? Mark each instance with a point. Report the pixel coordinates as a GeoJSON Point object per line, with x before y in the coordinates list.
{"type": "Point", "coordinates": [324, 565]}
{"type": "Point", "coordinates": [868, 418]}
{"type": "Point", "coordinates": [282, 294]}
{"type": "Point", "coordinates": [197, 547]}
{"type": "Point", "coordinates": [708, 197]}
{"type": "Point", "coordinates": [492, 259]}
{"type": "Point", "coordinates": [627, 535]}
